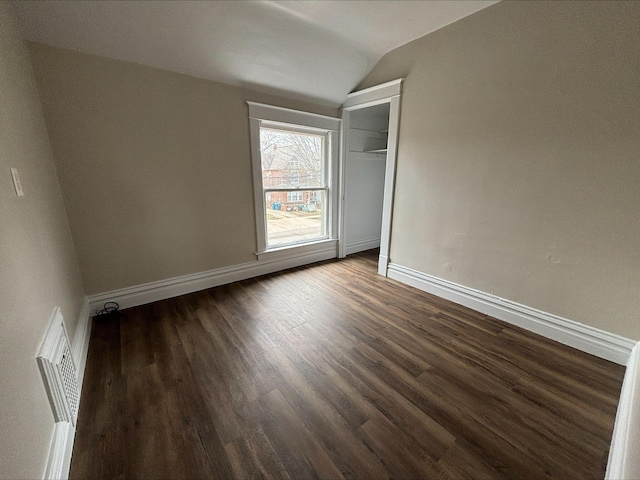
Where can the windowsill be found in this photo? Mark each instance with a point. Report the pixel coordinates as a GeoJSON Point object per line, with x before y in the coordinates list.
{"type": "Point", "coordinates": [298, 250]}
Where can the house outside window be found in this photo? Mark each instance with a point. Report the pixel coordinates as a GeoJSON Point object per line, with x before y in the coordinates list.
{"type": "Point", "coordinates": [294, 156]}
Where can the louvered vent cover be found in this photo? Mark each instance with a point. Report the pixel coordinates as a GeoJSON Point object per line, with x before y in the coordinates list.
{"type": "Point", "coordinates": [59, 371]}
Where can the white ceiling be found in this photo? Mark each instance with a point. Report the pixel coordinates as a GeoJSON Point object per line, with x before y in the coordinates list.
{"type": "Point", "coordinates": [312, 50]}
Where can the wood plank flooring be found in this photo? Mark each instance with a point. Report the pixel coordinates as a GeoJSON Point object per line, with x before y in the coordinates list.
{"type": "Point", "coordinates": [331, 371]}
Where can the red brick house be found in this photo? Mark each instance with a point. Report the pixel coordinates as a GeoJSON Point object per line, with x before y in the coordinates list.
{"type": "Point", "coordinates": [289, 167]}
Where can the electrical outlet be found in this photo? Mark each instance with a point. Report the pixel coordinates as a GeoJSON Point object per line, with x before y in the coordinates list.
{"type": "Point", "coordinates": [16, 182]}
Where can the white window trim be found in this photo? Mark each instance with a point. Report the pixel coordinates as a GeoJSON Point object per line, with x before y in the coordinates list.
{"type": "Point", "coordinates": [287, 118]}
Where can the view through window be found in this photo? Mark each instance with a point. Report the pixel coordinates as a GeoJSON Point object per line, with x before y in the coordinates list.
{"type": "Point", "coordinates": [295, 185]}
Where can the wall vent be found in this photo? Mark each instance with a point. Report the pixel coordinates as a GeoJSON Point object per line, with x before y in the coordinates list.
{"type": "Point", "coordinates": [59, 371]}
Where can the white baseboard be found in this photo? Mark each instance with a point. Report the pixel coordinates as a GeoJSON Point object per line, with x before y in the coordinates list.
{"type": "Point", "coordinates": [361, 245]}
{"type": "Point", "coordinates": [173, 287]}
{"type": "Point", "coordinates": [583, 337]}
{"type": "Point", "coordinates": [383, 265]}
{"type": "Point", "coordinates": [624, 454]}
{"type": "Point", "coordinates": [59, 459]}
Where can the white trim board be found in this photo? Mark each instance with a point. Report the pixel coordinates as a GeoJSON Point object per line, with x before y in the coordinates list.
{"type": "Point", "coordinates": [361, 245]}
{"type": "Point", "coordinates": [390, 93]}
{"type": "Point", "coordinates": [624, 454]}
{"type": "Point", "coordinates": [59, 459]}
{"type": "Point", "coordinates": [373, 94]}
{"type": "Point", "coordinates": [60, 451]}
{"type": "Point", "coordinates": [582, 337]}
{"type": "Point", "coordinates": [173, 287]}
{"type": "Point", "coordinates": [80, 346]}
{"type": "Point", "coordinates": [261, 111]}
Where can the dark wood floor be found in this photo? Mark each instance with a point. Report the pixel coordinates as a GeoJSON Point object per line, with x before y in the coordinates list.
{"type": "Point", "coordinates": [332, 371]}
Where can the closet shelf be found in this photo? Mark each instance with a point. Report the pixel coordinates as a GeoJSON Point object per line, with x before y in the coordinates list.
{"type": "Point", "coordinates": [379, 150]}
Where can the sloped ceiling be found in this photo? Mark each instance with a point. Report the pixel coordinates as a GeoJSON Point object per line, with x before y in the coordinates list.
{"type": "Point", "coordinates": [311, 50]}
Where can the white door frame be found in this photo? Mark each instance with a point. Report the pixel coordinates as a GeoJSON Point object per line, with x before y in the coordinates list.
{"type": "Point", "coordinates": [390, 93]}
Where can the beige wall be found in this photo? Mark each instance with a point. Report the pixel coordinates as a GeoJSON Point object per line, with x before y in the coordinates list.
{"type": "Point", "coordinates": [38, 270]}
{"type": "Point", "coordinates": [519, 157]}
{"type": "Point", "coordinates": [155, 166]}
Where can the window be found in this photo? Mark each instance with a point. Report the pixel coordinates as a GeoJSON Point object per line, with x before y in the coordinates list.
{"type": "Point", "coordinates": [293, 155]}
{"type": "Point", "coordinates": [300, 219]}
{"type": "Point", "coordinates": [293, 197]}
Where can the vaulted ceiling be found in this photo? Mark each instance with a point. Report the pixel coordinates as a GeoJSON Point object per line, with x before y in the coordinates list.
{"type": "Point", "coordinates": [311, 50]}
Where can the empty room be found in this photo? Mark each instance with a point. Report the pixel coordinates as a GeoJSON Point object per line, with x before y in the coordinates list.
{"type": "Point", "coordinates": [319, 239]}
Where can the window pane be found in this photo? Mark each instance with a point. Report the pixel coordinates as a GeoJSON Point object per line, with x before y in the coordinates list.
{"type": "Point", "coordinates": [291, 158]}
{"type": "Point", "coordinates": [295, 216]}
